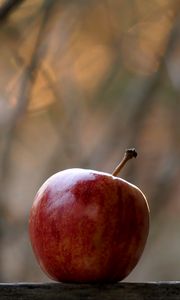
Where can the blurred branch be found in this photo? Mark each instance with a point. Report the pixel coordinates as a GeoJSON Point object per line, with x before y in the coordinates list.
{"type": "Point", "coordinates": [28, 79]}
{"type": "Point", "coordinates": [31, 69]}
{"type": "Point", "coordinates": [8, 7]}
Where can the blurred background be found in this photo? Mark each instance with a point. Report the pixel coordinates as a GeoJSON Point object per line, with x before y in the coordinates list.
{"type": "Point", "coordinates": [81, 81]}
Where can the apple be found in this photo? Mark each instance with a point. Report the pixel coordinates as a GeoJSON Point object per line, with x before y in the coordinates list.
{"type": "Point", "coordinates": [87, 226]}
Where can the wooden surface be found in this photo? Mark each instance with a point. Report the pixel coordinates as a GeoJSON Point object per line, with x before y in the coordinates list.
{"type": "Point", "coordinates": [58, 291]}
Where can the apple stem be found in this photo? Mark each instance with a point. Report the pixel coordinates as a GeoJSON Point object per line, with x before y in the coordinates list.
{"type": "Point", "coordinates": [130, 153]}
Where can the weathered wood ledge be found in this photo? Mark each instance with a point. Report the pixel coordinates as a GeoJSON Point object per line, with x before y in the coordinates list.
{"type": "Point", "coordinates": [123, 290]}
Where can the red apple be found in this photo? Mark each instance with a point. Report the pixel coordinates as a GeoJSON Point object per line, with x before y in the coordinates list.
{"type": "Point", "coordinates": [88, 226]}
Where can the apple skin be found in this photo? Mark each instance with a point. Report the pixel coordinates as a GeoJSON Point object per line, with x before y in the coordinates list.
{"type": "Point", "coordinates": [87, 226]}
